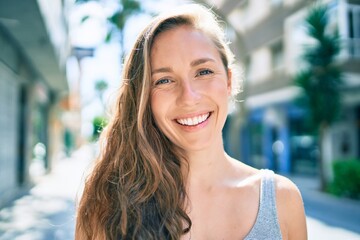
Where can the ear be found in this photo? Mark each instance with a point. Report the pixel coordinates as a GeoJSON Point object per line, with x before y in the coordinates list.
{"type": "Point", "coordinates": [229, 81]}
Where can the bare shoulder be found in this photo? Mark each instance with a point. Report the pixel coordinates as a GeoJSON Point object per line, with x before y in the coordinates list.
{"type": "Point", "coordinates": [286, 188]}
{"type": "Point", "coordinates": [244, 171]}
{"type": "Point", "coordinates": [290, 209]}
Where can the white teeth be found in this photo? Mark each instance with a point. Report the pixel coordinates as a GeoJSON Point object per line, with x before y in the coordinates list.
{"type": "Point", "coordinates": [190, 121]}
{"type": "Point", "coordinates": [193, 121]}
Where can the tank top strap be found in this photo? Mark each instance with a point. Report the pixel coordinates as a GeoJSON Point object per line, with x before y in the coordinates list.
{"type": "Point", "coordinates": [267, 192]}
{"type": "Point", "coordinates": [267, 224]}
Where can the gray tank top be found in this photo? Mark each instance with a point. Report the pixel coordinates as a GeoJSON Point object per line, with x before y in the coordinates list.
{"type": "Point", "coordinates": [266, 226]}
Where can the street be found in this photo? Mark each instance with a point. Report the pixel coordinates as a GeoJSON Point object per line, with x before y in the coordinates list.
{"type": "Point", "coordinates": [47, 211]}
{"type": "Point", "coordinates": [328, 217]}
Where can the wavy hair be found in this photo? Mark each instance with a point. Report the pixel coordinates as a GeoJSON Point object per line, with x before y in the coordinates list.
{"type": "Point", "coordinates": [136, 189]}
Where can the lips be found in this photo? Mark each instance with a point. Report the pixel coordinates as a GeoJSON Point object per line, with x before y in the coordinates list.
{"type": "Point", "coordinates": [193, 121]}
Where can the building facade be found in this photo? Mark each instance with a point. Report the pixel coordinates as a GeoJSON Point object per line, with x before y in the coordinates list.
{"type": "Point", "coordinates": [270, 127]}
{"type": "Point", "coordinates": [33, 49]}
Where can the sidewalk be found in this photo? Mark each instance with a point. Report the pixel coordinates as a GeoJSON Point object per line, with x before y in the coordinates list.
{"type": "Point", "coordinates": [48, 211]}
{"type": "Point", "coordinates": [328, 217]}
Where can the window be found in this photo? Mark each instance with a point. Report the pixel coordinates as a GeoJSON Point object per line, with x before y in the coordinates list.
{"type": "Point", "coordinates": [276, 3]}
{"type": "Point", "coordinates": [353, 19]}
{"type": "Point", "coordinates": [277, 55]}
{"type": "Point", "coordinates": [247, 67]}
{"type": "Point", "coordinates": [244, 4]}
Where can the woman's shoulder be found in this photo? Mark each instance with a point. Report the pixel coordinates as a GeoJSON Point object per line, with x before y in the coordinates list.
{"type": "Point", "coordinates": [253, 176]}
{"type": "Point", "coordinates": [290, 208]}
{"type": "Point", "coordinates": [288, 195]}
{"type": "Point", "coordinates": [289, 203]}
{"type": "Point", "coordinates": [285, 185]}
{"type": "Point", "coordinates": [243, 175]}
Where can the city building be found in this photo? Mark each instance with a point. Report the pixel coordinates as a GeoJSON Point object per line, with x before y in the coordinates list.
{"type": "Point", "coordinates": [33, 51]}
{"type": "Point", "coordinates": [269, 130]}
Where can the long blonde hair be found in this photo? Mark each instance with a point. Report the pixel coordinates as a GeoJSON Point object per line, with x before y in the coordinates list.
{"type": "Point", "coordinates": [136, 189]}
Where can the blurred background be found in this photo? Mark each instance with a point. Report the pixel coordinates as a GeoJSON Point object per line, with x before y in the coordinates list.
{"type": "Point", "coordinates": [298, 112]}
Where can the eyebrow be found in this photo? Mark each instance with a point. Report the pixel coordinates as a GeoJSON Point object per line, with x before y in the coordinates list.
{"type": "Point", "coordinates": [192, 64]}
{"type": "Point", "coordinates": [201, 61]}
{"type": "Point", "coordinates": [161, 70]}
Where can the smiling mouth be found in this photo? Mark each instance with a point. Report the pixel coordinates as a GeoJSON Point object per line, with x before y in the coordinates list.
{"type": "Point", "coordinates": [194, 120]}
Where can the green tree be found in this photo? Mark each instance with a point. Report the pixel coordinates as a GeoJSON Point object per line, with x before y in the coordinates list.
{"type": "Point", "coordinates": [100, 88]}
{"type": "Point", "coordinates": [118, 19]}
{"type": "Point", "coordinates": [129, 8]}
{"type": "Point", "coordinates": [322, 77]}
{"type": "Point", "coordinates": [99, 122]}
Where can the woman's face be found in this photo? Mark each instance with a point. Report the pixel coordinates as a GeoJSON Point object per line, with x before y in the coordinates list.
{"type": "Point", "coordinates": [190, 88]}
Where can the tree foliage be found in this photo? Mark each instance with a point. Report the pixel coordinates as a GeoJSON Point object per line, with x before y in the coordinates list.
{"type": "Point", "coordinates": [99, 123]}
{"type": "Point", "coordinates": [321, 79]}
{"type": "Point", "coordinates": [129, 8]}
{"type": "Point", "coordinates": [100, 87]}
{"type": "Point", "coordinates": [118, 20]}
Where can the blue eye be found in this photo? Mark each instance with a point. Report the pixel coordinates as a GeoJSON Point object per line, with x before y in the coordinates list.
{"type": "Point", "coordinates": [205, 72]}
{"type": "Point", "coordinates": [162, 81]}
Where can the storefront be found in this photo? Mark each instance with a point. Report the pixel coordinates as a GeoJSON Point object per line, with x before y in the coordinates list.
{"type": "Point", "coordinates": [277, 137]}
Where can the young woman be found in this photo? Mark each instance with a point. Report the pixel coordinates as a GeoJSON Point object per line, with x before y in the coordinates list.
{"type": "Point", "coordinates": [163, 172]}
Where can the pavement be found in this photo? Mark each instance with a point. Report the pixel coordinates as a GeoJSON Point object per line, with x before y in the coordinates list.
{"type": "Point", "coordinates": [328, 217]}
{"type": "Point", "coordinates": [47, 211]}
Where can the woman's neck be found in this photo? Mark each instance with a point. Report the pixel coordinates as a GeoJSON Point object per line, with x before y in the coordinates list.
{"type": "Point", "coordinates": [208, 165]}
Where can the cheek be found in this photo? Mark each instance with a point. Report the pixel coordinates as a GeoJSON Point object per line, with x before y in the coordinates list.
{"type": "Point", "coordinates": [221, 88]}
{"type": "Point", "coordinates": [222, 94]}
{"type": "Point", "coordinates": [158, 106]}
{"type": "Point", "coordinates": [153, 106]}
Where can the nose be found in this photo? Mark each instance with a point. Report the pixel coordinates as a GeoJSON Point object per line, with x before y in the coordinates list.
{"type": "Point", "coordinates": [188, 94]}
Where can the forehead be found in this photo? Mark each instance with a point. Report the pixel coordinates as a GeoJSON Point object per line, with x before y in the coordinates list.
{"type": "Point", "coordinates": [182, 41]}
{"type": "Point", "coordinates": [182, 30]}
